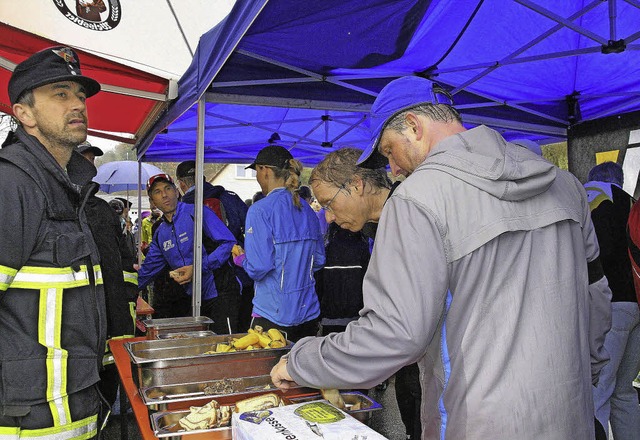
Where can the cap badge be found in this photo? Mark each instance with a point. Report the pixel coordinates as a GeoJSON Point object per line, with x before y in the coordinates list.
{"type": "Point", "coordinates": [66, 54]}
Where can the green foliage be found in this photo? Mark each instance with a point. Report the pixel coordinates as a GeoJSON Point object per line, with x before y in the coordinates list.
{"type": "Point", "coordinates": [304, 176]}
{"type": "Point", "coordinates": [556, 154]}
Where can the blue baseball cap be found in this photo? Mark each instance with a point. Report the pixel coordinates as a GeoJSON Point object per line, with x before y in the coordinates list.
{"type": "Point", "coordinates": [399, 95]}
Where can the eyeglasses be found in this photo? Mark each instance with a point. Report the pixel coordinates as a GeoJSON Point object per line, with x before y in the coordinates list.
{"type": "Point", "coordinates": [327, 207]}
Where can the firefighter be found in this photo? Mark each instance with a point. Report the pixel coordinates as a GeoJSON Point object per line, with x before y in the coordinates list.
{"type": "Point", "coordinates": [52, 305]}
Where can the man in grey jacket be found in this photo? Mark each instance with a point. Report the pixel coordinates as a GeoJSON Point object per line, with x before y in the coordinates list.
{"type": "Point", "coordinates": [485, 271]}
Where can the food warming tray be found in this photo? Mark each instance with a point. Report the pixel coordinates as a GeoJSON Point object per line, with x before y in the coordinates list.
{"type": "Point", "coordinates": [158, 397]}
{"type": "Point", "coordinates": [165, 423]}
{"type": "Point", "coordinates": [158, 327]}
{"type": "Point", "coordinates": [175, 361]}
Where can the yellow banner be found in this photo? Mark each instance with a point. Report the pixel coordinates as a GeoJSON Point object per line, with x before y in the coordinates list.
{"type": "Point", "coordinates": [607, 156]}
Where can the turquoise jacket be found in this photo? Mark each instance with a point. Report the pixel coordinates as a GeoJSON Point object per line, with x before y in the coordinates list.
{"type": "Point", "coordinates": [283, 248]}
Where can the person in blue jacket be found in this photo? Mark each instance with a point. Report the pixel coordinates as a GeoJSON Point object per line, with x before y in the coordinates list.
{"type": "Point", "coordinates": [283, 248]}
{"type": "Point", "coordinates": [172, 245]}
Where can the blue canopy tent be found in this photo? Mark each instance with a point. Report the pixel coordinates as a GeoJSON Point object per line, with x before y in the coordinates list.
{"type": "Point", "coordinates": [527, 68]}
{"type": "Point", "coordinates": [530, 69]}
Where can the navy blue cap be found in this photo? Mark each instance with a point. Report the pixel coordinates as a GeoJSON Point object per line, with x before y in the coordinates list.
{"type": "Point", "coordinates": [86, 146]}
{"type": "Point", "coordinates": [50, 65]}
{"type": "Point", "coordinates": [399, 95]}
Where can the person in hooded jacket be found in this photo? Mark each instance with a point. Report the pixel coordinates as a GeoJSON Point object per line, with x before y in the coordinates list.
{"type": "Point", "coordinates": [484, 270]}
{"type": "Point", "coordinates": [283, 248]}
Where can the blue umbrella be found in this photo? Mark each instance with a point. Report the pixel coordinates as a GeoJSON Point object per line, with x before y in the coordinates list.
{"type": "Point", "coordinates": [123, 176]}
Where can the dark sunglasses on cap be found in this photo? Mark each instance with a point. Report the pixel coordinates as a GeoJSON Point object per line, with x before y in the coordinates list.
{"type": "Point", "coordinates": [154, 179]}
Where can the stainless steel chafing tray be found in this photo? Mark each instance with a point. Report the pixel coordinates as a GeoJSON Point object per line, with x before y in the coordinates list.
{"type": "Point", "coordinates": [165, 425]}
{"type": "Point", "coordinates": [157, 327]}
{"type": "Point", "coordinates": [159, 397]}
{"type": "Point", "coordinates": [357, 404]}
{"type": "Point", "coordinates": [175, 361]}
{"type": "Point", "coordinates": [184, 335]}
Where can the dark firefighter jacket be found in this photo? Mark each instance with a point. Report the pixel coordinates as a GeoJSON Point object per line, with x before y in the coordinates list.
{"type": "Point", "coordinates": [52, 305]}
{"type": "Point", "coordinates": [116, 260]}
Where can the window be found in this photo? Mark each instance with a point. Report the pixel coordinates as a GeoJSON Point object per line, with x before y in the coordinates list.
{"type": "Point", "coordinates": [241, 173]}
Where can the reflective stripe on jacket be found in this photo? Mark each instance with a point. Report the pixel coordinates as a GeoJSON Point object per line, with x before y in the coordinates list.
{"type": "Point", "coordinates": [52, 306]}
{"type": "Point", "coordinates": [77, 430]}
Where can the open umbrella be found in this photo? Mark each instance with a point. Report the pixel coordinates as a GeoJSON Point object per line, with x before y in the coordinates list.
{"type": "Point", "coordinates": [123, 176]}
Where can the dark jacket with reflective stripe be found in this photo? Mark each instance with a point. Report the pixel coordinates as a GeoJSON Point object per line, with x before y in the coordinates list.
{"type": "Point", "coordinates": [116, 260]}
{"type": "Point", "coordinates": [44, 233]}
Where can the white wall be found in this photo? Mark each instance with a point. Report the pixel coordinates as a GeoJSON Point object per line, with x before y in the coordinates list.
{"type": "Point", "coordinates": [245, 187]}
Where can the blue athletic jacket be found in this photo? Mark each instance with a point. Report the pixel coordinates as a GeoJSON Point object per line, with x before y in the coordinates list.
{"type": "Point", "coordinates": [284, 248]}
{"type": "Point", "coordinates": [172, 245]}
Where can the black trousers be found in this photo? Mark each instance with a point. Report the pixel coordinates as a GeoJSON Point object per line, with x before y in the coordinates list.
{"type": "Point", "coordinates": [223, 310]}
{"type": "Point", "coordinates": [409, 397]}
{"type": "Point", "coordinates": [245, 308]}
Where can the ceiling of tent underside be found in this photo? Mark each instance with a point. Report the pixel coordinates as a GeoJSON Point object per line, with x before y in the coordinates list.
{"type": "Point", "coordinates": [528, 68]}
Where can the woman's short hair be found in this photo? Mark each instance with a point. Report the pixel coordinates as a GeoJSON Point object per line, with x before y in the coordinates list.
{"type": "Point", "coordinates": [609, 172]}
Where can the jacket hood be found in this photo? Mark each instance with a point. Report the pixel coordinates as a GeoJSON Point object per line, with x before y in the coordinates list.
{"type": "Point", "coordinates": [482, 158]}
{"type": "Point", "coordinates": [594, 188]}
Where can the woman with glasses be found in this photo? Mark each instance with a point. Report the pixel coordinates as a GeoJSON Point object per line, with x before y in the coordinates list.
{"type": "Point", "coordinates": [283, 248]}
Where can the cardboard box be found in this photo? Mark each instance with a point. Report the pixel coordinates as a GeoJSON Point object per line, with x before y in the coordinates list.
{"type": "Point", "coordinates": [303, 421]}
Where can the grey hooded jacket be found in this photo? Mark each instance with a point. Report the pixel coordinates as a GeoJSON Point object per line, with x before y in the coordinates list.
{"type": "Point", "coordinates": [480, 273]}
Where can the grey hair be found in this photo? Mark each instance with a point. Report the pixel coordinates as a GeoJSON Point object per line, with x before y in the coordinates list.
{"type": "Point", "coordinates": [339, 167]}
{"type": "Point", "coordinates": [435, 112]}
{"type": "Point", "coordinates": [27, 98]}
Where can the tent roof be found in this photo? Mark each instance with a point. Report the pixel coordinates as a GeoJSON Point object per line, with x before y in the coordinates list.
{"type": "Point", "coordinates": [141, 94]}
{"type": "Point", "coordinates": [534, 67]}
{"type": "Point", "coordinates": [137, 51]}
{"type": "Point", "coordinates": [157, 37]}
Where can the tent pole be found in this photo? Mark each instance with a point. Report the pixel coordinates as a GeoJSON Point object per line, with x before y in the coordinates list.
{"type": "Point", "coordinates": [139, 219]}
{"type": "Point", "coordinates": [196, 293]}
{"type": "Point", "coordinates": [613, 14]}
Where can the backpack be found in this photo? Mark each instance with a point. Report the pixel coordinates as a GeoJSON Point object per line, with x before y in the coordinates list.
{"type": "Point", "coordinates": [216, 206]}
{"type": "Point", "coordinates": [236, 212]}
{"type": "Point", "coordinates": [224, 277]}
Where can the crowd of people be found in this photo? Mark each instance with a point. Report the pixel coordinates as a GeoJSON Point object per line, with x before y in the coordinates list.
{"type": "Point", "coordinates": [498, 289]}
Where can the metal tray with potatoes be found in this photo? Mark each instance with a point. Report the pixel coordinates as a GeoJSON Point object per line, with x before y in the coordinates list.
{"type": "Point", "coordinates": [174, 361]}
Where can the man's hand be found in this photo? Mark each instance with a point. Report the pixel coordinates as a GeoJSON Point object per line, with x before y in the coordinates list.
{"type": "Point", "coordinates": [182, 275]}
{"type": "Point", "coordinates": [280, 377]}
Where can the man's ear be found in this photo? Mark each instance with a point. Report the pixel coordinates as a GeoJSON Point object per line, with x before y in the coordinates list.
{"type": "Point", "coordinates": [357, 184]}
{"type": "Point", "coordinates": [414, 124]}
{"type": "Point", "coordinates": [24, 114]}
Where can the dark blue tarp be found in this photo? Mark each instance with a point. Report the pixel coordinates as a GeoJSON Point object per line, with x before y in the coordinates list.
{"type": "Point", "coordinates": [530, 69]}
